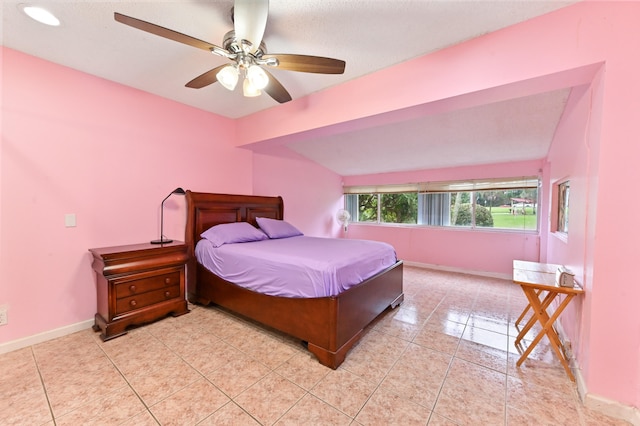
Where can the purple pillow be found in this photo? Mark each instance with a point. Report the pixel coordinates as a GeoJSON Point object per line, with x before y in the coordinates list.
{"type": "Point", "coordinates": [277, 228]}
{"type": "Point", "coordinates": [235, 232]}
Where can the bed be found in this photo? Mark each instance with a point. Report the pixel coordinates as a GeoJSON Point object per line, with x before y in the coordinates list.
{"type": "Point", "coordinates": [329, 326]}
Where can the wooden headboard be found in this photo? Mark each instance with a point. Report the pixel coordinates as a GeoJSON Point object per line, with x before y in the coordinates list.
{"type": "Point", "coordinates": [205, 210]}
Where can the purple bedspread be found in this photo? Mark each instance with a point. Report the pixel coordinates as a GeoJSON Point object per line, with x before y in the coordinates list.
{"type": "Point", "coordinates": [298, 266]}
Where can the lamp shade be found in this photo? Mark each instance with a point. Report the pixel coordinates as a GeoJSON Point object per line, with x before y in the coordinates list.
{"type": "Point", "coordinates": [258, 78]}
{"type": "Point", "coordinates": [248, 90]}
{"type": "Point", "coordinates": [228, 76]}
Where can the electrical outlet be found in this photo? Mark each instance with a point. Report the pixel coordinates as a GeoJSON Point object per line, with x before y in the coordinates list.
{"type": "Point", "coordinates": [3, 315]}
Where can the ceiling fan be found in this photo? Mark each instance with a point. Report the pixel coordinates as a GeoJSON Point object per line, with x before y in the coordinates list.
{"type": "Point", "coordinates": [246, 50]}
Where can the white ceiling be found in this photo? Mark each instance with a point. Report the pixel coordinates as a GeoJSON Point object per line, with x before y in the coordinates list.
{"type": "Point", "coordinates": [368, 34]}
{"type": "Point", "coordinates": [515, 130]}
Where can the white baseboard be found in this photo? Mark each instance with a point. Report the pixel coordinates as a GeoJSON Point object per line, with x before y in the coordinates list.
{"type": "Point", "coordinates": [459, 270]}
{"type": "Point", "coordinates": [597, 403]}
{"type": "Point", "coordinates": [43, 337]}
{"type": "Point", "coordinates": [604, 405]}
{"type": "Point", "coordinates": [612, 408]}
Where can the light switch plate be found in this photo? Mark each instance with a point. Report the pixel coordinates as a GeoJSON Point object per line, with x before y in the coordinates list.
{"type": "Point", "coordinates": [70, 220]}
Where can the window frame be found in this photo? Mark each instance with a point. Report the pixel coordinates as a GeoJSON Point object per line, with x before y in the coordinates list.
{"type": "Point", "coordinates": [563, 194]}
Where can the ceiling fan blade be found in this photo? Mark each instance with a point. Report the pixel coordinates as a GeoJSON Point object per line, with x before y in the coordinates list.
{"type": "Point", "coordinates": [276, 90]}
{"type": "Point", "coordinates": [250, 21]}
{"type": "Point", "coordinates": [205, 79]}
{"type": "Point", "coordinates": [305, 63]}
{"type": "Point", "coordinates": [164, 32]}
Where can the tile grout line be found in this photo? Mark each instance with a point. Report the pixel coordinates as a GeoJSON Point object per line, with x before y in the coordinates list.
{"type": "Point", "coordinates": [231, 399]}
{"type": "Point", "coordinates": [44, 387]}
{"type": "Point", "coordinates": [147, 408]}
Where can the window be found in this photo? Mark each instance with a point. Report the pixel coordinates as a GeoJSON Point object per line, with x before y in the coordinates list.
{"type": "Point", "coordinates": [489, 203]}
{"type": "Point", "coordinates": [367, 208]}
{"type": "Point", "coordinates": [563, 207]}
{"type": "Point", "coordinates": [399, 208]}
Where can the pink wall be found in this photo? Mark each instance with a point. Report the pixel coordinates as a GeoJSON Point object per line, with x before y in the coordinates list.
{"type": "Point", "coordinates": [311, 193]}
{"type": "Point", "coordinates": [487, 252]}
{"type": "Point", "coordinates": [595, 149]}
{"type": "Point", "coordinates": [614, 322]}
{"type": "Point", "coordinates": [571, 158]}
{"type": "Point", "coordinates": [73, 143]}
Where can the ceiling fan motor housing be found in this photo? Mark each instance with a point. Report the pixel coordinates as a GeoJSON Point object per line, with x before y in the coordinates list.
{"type": "Point", "coordinates": [231, 44]}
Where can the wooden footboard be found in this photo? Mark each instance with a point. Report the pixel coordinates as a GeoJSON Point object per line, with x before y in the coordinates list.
{"type": "Point", "coordinates": [330, 325]}
{"type": "Point", "coordinates": [355, 309]}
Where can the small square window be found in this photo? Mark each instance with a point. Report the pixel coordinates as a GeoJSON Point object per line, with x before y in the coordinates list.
{"type": "Point", "coordinates": [563, 207]}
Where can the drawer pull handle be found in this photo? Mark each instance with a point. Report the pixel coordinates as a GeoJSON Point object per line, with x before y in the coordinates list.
{"type": "Point", "coordinates": [132, 288]}
{"type": "Point", "coordinates": [167, 280]}
{"type": "Point", "coordinates": [167, 294]}
{"type": "Point", "coordinates": [133, 303]}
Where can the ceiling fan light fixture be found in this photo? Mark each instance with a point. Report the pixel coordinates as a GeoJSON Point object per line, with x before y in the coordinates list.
{"type": "Point", "coordinates": [228, 76]}
{"type": "Point", "coordinates": [258, 78]}
{"type": "Point", "coordinates": [249, 90]}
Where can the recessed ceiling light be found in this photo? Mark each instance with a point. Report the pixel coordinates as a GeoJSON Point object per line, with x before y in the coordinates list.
{"type": "Point", "coordinates": [41, 15]}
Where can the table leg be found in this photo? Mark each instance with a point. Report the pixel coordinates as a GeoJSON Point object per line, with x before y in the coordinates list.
{"type": "Point", "coordinates": [524, 312]}
{"type": "Point", "coordinates": [555, 341]}
{"type": "Point", "coordinates": [543, 306]}
{"type": "Point", "coordinates": [543, 317]}
{"type": "Point", "coordinates": [546, 322]}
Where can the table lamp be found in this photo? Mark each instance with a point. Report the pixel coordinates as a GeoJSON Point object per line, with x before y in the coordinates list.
{"type": "Point", "coordinates": [162, 239]}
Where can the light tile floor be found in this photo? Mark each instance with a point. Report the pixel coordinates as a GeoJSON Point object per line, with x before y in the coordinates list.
{"type": "Point", "coordinates": [445, 357]}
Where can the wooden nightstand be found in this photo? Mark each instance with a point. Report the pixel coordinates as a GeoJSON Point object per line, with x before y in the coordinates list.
{"type": "Point", "coordinates": [137, 284]}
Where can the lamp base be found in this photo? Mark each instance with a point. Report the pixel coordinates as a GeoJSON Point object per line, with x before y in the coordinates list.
{"type": "Point", "coordinates": [161, 241]}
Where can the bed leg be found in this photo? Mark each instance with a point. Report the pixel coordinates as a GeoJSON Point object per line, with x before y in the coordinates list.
{"type": "Point", "coordinates": [398, 300]}
{"type": "Point", "coordinates": [192, 298]}
{"type": "Point", "coordinates": [333, 359]}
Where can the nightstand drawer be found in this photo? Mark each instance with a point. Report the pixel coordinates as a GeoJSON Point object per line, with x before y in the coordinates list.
{"type": "Point", "coordinates": [143, 285]}
{"type": "Point", "coordinates": [149, 298]}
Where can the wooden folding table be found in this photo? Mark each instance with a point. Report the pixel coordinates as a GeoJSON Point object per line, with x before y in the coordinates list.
{"type": "Point", "coordinates": [538, 282]}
